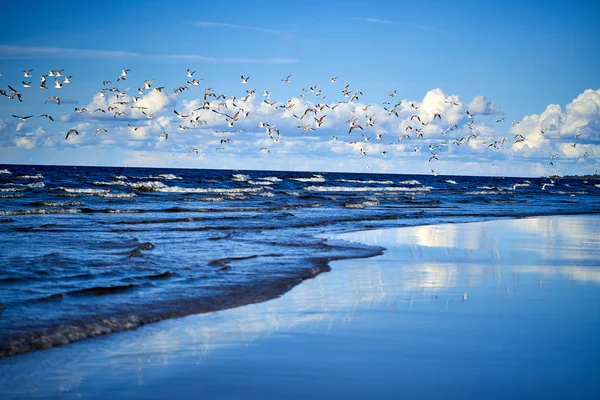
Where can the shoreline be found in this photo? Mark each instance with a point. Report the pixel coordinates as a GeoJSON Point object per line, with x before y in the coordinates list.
{"type": "Point", "coordinates": [82, 330]}
{"type": "Point", "coordinates": [480, 309]}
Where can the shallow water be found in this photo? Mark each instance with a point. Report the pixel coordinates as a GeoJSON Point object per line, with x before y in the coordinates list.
{"type": "Point", "coordinates": [497, 310]}
{"type": "Point", "coordinates": [86, 251]}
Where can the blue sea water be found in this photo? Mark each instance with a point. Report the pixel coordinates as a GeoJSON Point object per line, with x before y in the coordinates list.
{"type": "Point", "coordinates": [86, 251]}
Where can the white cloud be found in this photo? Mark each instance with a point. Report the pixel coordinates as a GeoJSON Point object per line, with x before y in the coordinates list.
{"type": "Point", "coordinates": [481, 105]}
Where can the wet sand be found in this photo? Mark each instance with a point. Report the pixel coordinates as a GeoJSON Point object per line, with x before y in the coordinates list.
{"type": "Point", "coordinates": [498, 310]}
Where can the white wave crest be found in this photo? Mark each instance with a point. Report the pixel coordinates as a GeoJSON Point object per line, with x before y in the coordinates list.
{"type": "Point", "coordinates": [240, 177]}
{"type": "Point", "coordinates": [36, 176]}
{"type": "Point", "coordinates": [271, 179]}
{"type": "Point", "coordinates": [5, 172]}
{"type": "Point", "coordinates": [450, 181]}
{"type": "Point", "coordinates": [164, 176]}
{"type": "Point", "coordinates": [111, 183]}
{"type": "Point", "coordinates": [363, 204]}
{"type": "Point", "coordinates": [82, 190]}
{"type": "Point", "coordinates": [367, 189]}
{"type": "Point", "coordinates": [314, 178]}
{"type": "Point", "coordinates": [368, 182]}
{"type": "Point", "coordinates": [410, 182]}
{"type": "Point", "coordinates": [117, 195]}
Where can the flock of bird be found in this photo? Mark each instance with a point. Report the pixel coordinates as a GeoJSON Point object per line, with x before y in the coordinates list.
{"type": "Point", "coordinates": [232, 110]}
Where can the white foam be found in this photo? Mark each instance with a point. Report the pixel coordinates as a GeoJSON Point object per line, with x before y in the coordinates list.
{"type": "Point", "coordinates": [265, 183]}
{"type": "Point", "coordinates": [240, 177]}
{"type": "Point", "coordinates": [410, 182]}
{"type": "Point", "coordinates": [117, 195]}
{"type": "Point", "coordinates": [83, 190]}
{"type": "Point", "coordinates": [367, 189]}
{"type": "Point", "coordinates": [36, 176]}
{"type": "Point", "coordinates": [164, 176]}
{"type": "Point", "coordinates": [450, 181]}
{"type": "Point", "coordinates": [271, 179]}
{"type": "Point", "coordinates": [368, 182]}
{"type": "Point", "coordinates": [111, 183]}
{"type": "Point", "coordinates": [5, 172]}
{"type": "Point", "coordinates": [363, 204]}
{"type": "Point", "coordinates": [314, 178]}
{"type": "Point", "coordinates": [40, 211]}
{"type": "Point", "coordinates": [148, 186]}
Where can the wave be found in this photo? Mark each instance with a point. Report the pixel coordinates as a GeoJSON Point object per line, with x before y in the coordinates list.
{"type": "Point", "coordinates": [119, 177]}
{"type": "Point", "coordinates": [369, 182]}
{"type": "Point", "coordinates": [112, 183]}
{"type": "Point", "coordinates": [450, 181]}
{"type": "Point", "coordinates": [156, 186]}
{"type": "Point", "coordinates": [5, 172]}
{"type": "Point", "coordinates": [367, 189]}
{"type": "Point", "coordinates": [117, 195]}
{"type": "Point", "coordinates": [363, 204]}
{"type": "Point", "coordinates": [57, 204]}
{"type": "Point", "coordinates": [258, 182]}
{"type": "Point", "coordinates": [163, 176]}
{"type": "Point", "coordinates": [41, 211]}
{"type": "Point", "coordinates": [11, 196]}
{"type": "Point", "coordinates": [240, 177]}
{"type": "Point", "coordinates": [271, 179]}
{"type": "Point", "coordinates": [410, 182]}
{"type": "Point", "coordinates": [13, 189]}
{"type": "Point", "coordinates": [82, 190]}
{"type": "Point", "coordinates": [314, 178]}
{"type": "Point", "coordinates": [36, 176]}
{"type": "Point", "coordinates": [485, 193]}
{"type": "Point", "coordinates": [35, 185]}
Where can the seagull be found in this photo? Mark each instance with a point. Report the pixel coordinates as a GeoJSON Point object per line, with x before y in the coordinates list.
{"type": "Point", "coordinates": [392, 94]}
{"type": "Point", "coordinates": [245, 80]}
{"type": "Point", "coordinates": [47, 116]}
{"type": "Point", "coordinates": [164, 133]}
{"type": "Point", "coordinates": [27, 73]}
{"type": "Point", "coordinates": [23, 118]}
{"type": "Point", "coordinates": [265, 150]}
{"type": "Point", "coordinates": [190, 74]}
{"type": "Point", "coordinates": [147, 85]}
{"type": "Point", "coordinates": [26, 84]}
{"type": "Point", "coordinates": [433, 172]}
{"type": "Point", "coordinates": [287, 79]}
{"type": "Point", "coordinates": [333, 79]}
{"type": "Point", "coordinates": [100, 130]}
{"type": "Point", "coordinates": [57, 84]}
{"type": "Point", "coordinates": [124, 72]}
{"type": "Point", "coordinates": [515, 122]}
{"type": "Point", "coordinates": [501, 119]}
{"type": "Point", "coordinates": [194, 149]}
{"type": "Point", "coordinates": [469, 114]}
{"type": "Point", "coordinates": [354, 125]}
{"type": "Point", "coordinates": [67, 79]}
{"type": "Point", "coordinates": [70, 132]}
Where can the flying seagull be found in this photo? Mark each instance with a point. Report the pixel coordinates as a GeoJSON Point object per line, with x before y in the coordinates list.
{"type": "Point", "coordinates": [70, 132]}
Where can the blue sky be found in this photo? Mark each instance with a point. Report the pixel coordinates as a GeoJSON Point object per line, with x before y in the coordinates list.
{"type": "Point", "coordinates": [510, 60]}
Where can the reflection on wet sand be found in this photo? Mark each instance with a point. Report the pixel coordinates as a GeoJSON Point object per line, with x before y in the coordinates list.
{"type": "Point", "coordinates": [451, 270]}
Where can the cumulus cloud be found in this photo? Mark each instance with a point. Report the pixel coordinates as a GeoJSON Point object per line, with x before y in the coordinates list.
{"type": "Point", "coordinates": [481, 105]}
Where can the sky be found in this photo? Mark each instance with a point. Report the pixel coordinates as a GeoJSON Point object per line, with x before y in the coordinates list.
{"type": "Point", "coordinates": [525, 71]}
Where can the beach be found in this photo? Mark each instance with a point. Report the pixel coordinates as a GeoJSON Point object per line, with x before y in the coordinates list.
{"type": "Point", "coordinates": [496, 309]}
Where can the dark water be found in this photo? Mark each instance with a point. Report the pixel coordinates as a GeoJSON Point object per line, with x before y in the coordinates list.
{"type": "Point", "coordinates": [86, 250]}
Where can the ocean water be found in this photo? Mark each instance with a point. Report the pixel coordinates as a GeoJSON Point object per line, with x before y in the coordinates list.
{"type": "Point", "coordinates": [86, 251]}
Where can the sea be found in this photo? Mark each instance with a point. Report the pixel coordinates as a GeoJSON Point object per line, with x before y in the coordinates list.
{"type": "Point", "coordinates": [88, 251]}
